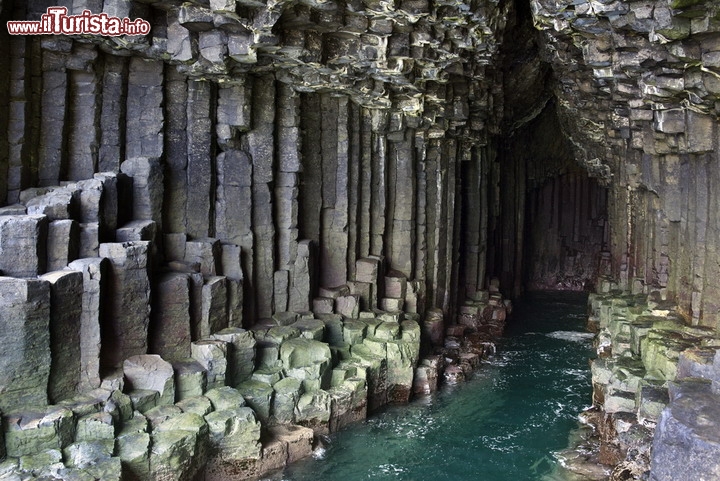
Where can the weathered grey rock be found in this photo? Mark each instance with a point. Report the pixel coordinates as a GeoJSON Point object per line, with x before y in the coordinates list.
{"type": "Point", "coordinates": [267, 354]}
{"type": "Point", "coordinates": [392, 304]}
{"type": "Point", "coordinates": [334, 292]}
{"type": "Point", "coordinates": [301, 279]}
{"type": "Point", "coordinates": [66, 291]}
{"type": "Point", "coordinates": [94, 288]}
{"type": "Point", "coordinates": [314, 411]}
{"type": "Point", "coordinates": [280, 334]}
{"type": "Point", "coordinates": [323, 305]}
{"type": "Point", "coordinates": [281, 288]}
{"type": "Point", "coordinates": [299, 441]}
{"type": "Point", "coordinates": [310, 328]}
{"type": "Point", "coordinates": [696, 362]}
{"type": "Point", "coordinates": [147, 182]}
{"type": "Point", "coordinates": [650, 401]}
{"type": "Point", "coordinates": [259, 396]}
{"type": "Point", "coordinates": [232, 270]}
{"type": "Point", "coordinates": [333, 328]}
{"type": "Point", "coordinates": [199, 158]}
{"type": "Point", "coordinates": [402, 359]}
{"type": "Point", "coordinates": [113, 380]}
{"type": "Point", "coordinates": [99, 202]}
{"type": "Point", "coordinates": [207, 252]}
{"type": "Point", "coordinates": [287, 395]}
{"type": "Point", "coordinates": [15, 209]}
{"type": "Point", "coordinates": [144, 135]}
{"type": "Point", "coordinates": [42, 463]}
{"type": "Point", "coordinates": [85, 454]}
{"type": "Point", "coordinates": [235, 433]}
{"type": "Point", "coordinates": [159, 414]}
{"type": "Point", "coordinates": [133, 446]}
{"type": "Point", "coordinates": [367, 270]}
{"type": "Point", "coordinates": [22, 245]}
{"type": "Point", "coordinates": [199, 405]}
{"type": "Point", "coordinates": [348, 306]}
{"type": "Point", "coordinates": [433, 328]}
{"type": "Point", "coordinates": [180, 44]}
{"type": "Point", "coordinates": [214, 307]}
{"type": "Point", "coordinates": [686, 439]}
{"type": "Point", "coordinates": [387, 331]}
{"type": "Point", "coordinates": [33, 431]}
{"type": "Point", "coordinates": [54, 97]}
{"type": "Point", "coordinates": [137, 230]}
{"type": "Point", "coordinates": [307, 360]}
{"type": "Point", "coordinates": [348, 403]}
{"type": "Point", "coordinates": [97, 426]}
{"type": "Point", "coordinates": [241, 353]}
{"type": "Point", "coordinates": [170, 323]}
{"type": "Point", "coordinates": [225, 398]}
{"type": "Point", "coordinates": [89, 239]}
{"type": "Point", "coordinates": [134, 452]}
{"type": "Point", "coordinates": [60, 203]}
{"type": "Point", "coordinates": [151, 372]}
{"type": "Point", "coordinates": [63, 243]}
{"type": "Point", "coordinates": [285, 318]}
{"type": "Point", "coordinates": [127, 311]}
{"type": "Point", "coordinates": [376, 373]}
{"type": "Point", "coordinates": [212, 355]}
{"type": "Point", "coordinates": [24, 317]}
{"type": "Point", "coordinates": [178, 444]}
{"type": "Point", "coordinates": [415, 297]}
{"type": "Point", "coordinates": [174, 245]}
{"type": "Point", "coordinates": [190, 379]}
{"type": "Point", "coordinates": [234, 105]}
{"type": "Point", "coordinates": [395, 285]}
{"type": "Point", "coordinates": [213, 47]}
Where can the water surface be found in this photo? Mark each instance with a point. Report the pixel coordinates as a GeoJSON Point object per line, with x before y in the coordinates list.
{"type": "Point", "coordinates": [502, 425]}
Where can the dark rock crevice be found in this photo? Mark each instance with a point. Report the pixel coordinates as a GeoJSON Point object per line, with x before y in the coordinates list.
{"type": "Point", "coordinates": [548, 216]}
{"type": "Point", "coordinates": [249, 175]}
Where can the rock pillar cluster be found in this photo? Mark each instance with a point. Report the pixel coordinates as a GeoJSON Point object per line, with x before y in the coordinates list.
{"type": "Point", "coordinates": [237, 232]}
{"type": "Point", "coordinates": [638, 100]}
{"type": "Point", "coordinates": [257, 221]}
{"type": "Point", "coordinates": [135, 365]}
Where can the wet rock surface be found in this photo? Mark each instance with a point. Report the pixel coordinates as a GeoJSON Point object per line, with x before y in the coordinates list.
{"type": "Point", "coordinates": [654, 404]}
{"type": "Point", "coordinates": [250, 181]}
{"type": "Point", "coordinates": [216, 400]}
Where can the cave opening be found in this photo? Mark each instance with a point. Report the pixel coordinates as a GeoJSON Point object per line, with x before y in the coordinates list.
{"type": "Point", "coordinates": [547, 221]}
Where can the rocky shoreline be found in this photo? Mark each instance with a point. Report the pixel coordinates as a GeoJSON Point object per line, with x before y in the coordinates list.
{"type": "Point", "coordinates": [215, 400]}
{"type": "Point", "coordinates": [654, 413]}
{"type": "Point", "coordinates": [126, 430]}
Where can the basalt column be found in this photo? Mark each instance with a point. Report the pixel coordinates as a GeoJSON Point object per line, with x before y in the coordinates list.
{"type": "Point", "coordinates": [546, 213]}
{"type": "Point", "coordinates": [247, 217]}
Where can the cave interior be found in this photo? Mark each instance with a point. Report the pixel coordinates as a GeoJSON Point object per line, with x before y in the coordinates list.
{"type": "Point", "coordinates": [294, 207]}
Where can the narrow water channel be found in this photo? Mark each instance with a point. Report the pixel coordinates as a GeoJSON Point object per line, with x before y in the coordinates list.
{"type": "Point", "coordinates": [503, 425]}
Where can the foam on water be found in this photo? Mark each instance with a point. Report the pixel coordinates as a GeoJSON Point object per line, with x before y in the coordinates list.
{"type": "Point", "coordinates": [503, 425]}
{"type": "Point", "coordinates": [572, 336]}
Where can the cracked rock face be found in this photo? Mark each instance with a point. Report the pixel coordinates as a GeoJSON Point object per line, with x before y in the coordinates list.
{"type": "Point", "coordinates": [380, 53]}
{"type": "Point", "coordinates": [309, 187]}
{"type": "Point", "coordinates": [642, 72]}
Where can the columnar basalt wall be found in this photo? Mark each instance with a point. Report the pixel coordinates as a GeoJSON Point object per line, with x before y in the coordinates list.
{"type": "Point", "coordinates": [265, 154]}
{"type": "Point", "coordinates": [240, 230]}
{"type": "Point", "coordinates": [280, 213]}
{"type": "Point", "coordinates": [637, 87]}
{"type": "Point", "coordinates": [637, 95]}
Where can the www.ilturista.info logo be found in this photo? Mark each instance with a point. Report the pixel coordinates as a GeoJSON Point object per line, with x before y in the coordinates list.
{"type": "Point", "coordinates": [57, 22]}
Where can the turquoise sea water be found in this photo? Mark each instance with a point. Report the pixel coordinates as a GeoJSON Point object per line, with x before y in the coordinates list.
{"type": "Point", "coordinates": [503, 425]}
